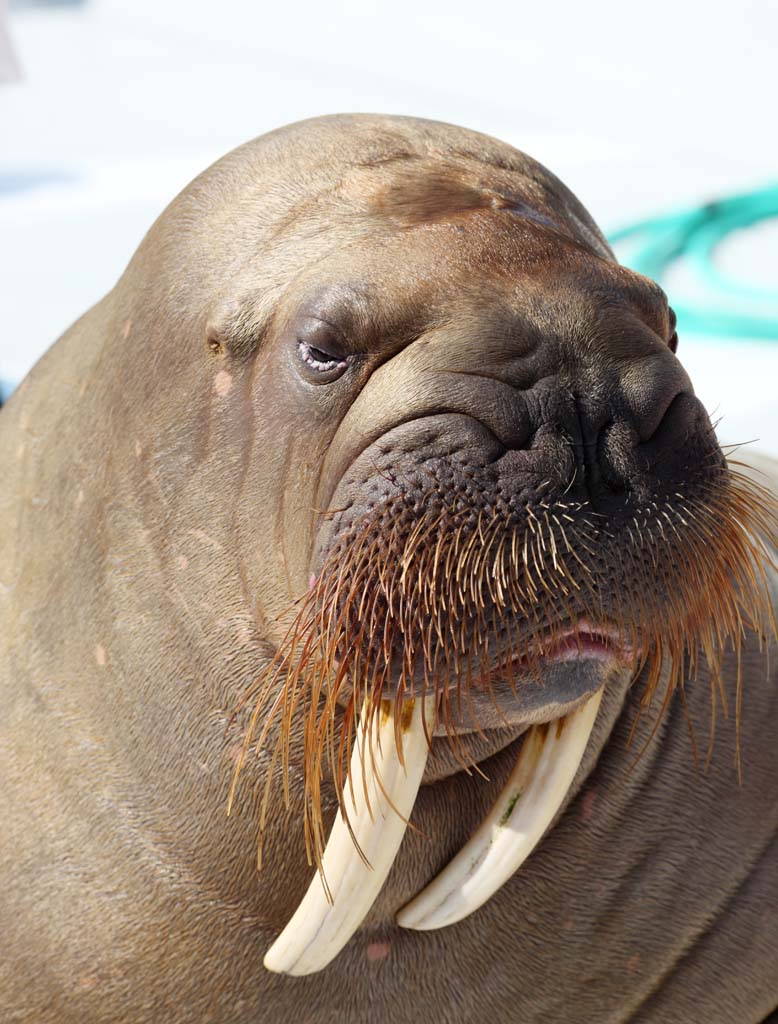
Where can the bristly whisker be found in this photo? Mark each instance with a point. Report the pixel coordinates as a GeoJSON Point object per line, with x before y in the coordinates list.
{"type": "Point", "coordinates": [408, 604]}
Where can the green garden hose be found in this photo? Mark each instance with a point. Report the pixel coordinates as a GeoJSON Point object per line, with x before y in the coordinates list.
{"type": "Point", "coordinates": [728, 307]}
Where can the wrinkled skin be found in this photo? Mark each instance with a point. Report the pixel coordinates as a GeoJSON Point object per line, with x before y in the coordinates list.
{"type": "Point", "coordinates": [163, 471]}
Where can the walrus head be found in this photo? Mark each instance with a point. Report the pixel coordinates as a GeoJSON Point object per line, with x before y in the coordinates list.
{"type": "Point", "coordinates": [496, 493]}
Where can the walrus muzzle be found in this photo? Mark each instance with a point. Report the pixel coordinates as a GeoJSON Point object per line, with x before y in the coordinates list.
{"type": "Point", "coordinates": [431, 602]}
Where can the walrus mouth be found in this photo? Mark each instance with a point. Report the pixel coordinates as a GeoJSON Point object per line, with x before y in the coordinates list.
{"type": "Point", "coordinates": [410, 616]}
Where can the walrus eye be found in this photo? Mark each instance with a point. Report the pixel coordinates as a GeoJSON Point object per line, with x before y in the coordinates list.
{"type": "Point", "coordinates": [321, 367]}
{"type": "Point", "coordinates": [672, 344]}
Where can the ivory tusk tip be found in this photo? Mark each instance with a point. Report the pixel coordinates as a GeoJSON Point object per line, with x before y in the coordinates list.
{"type": "Point", "coordinates": [405, 918]}
{"type": "Point", "coordinates": [357, 859]}
{"type": "Point", "coordinates": [276, 962]}
{"type": "Point", "coordinates": [537, 788]}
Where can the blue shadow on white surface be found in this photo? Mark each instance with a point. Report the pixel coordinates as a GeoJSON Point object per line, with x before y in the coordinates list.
{"type": "Point", "coordinates": [15, 182]}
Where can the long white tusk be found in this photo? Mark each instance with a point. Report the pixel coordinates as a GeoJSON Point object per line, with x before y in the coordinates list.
{"type": "Point", "coordinates": [381, 794]}
{"type": "Point", "coordinates": [544, 771]}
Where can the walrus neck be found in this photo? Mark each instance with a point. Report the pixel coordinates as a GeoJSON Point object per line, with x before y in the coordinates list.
{"type": "Point", "coordinates": [132, 702]}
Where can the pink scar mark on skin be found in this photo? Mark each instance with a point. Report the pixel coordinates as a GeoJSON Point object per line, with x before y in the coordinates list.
{"type": "Point", "coordinates": [377, 951]}
{"type": "Point", "coordinates": [80, 496]}
{"type": "Point", "coordinates": [87, 982]}
{"type": "Point", "coordinates": [235, 752]}
{"type": "Point", "coordinates": [100, 654]}
{"type": "Point", "coordinates": [138, 449]}
{"type": "Point", "coordinates": [222, 383]}
{"type": "Point", "coordinates": [182, 561]}
{"type": "Point", "coordinates": [312, 581]}
{"type": "Point", "coordinates": [126, 329]}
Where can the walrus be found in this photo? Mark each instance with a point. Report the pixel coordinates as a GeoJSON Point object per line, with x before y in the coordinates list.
{"type": "Point", "coordinates": [374, 507]}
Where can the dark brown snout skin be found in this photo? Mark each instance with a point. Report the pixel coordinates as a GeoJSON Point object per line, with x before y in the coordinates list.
{"type": "Point", "coordinates": [164, 472]}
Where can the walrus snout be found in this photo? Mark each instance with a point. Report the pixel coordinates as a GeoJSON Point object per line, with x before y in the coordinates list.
{"type": "Point", "coordinates": [606, 456]}
{"type": "Point", "coordinates": [464, 563]}
{"type": "Point", "coordinates": [586, 423]}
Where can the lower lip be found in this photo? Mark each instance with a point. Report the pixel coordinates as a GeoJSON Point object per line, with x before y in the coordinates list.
{"type": "Point", "coordinates": [584, 646]}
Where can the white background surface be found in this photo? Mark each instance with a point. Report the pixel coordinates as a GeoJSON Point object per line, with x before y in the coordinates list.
{"type": "Point", "coordinates": [638, 108]}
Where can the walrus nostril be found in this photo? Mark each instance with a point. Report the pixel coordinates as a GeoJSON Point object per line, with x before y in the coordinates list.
{"type": "Point", "coordinates": [664, 408]}
{"type": "Point", "coordinates": [684, 431]}
{"type": "Point", "coordinates": [649, 390]}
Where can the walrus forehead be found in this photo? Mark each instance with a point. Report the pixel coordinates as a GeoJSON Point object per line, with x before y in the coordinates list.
{"type": "Point", "coordinates": [387, 268]}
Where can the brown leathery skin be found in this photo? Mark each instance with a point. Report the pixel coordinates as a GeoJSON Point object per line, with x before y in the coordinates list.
{"type": "Point", "coordinates": [159, 508]}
